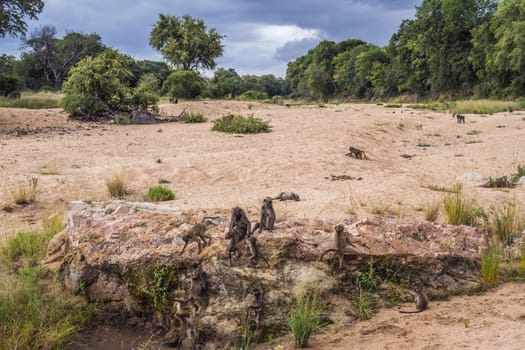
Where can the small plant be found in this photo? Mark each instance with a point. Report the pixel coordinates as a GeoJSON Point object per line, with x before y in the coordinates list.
{"type": "Point", "coordinates": [304, 317]}
{"type": "Point", "coordinates": [455, 189]}
{"type": "Point", "coordinates": [393, 105]}
{"type": "Point", "coordinates": [159, 193]}
{"type": "Point", "coordinates": [431, 211]}
{"type": "Point", "coordinates": [474, 132]}
{"type": "Point", "coordinates": [158, 160]}
{"type": "Point", "coordinates": [401, 126]}
{"type": "Point", "coordinates": [500, 182]}
{"type": "Point", "coordinates": [422, 144]}
{"type": "Point", "coordinates": [117, 186]}
{"type": "Point", "coordinates": [193, 118]}
{"type": "Point", "coordinates": [241, 125]}
{"type": "Point", "coordinates": [363, 305]}
{"type": "Point", "coordinates": [520, 173]}
{"type": "Point", "coordinates": [163, 181]}
{"type": "Point", "coordinates": [507, 222]}
{"type": "Point", "coordinates": [48, 169]}
{"type": "Point", "coordinates": [158, 289]}
{"type": "Point", "coordinates": [246, 332]}
{"type": "Point", "coordinates": [26, 194]}
{"type": "Point", "coordinates": [461, 211]}
{"type": "Point", "coordinates": [490, 262]}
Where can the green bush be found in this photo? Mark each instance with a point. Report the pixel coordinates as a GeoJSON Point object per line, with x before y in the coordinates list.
{"type": "Point", "coordinates": [184, 84]}
{"type": "Point", "coordinates": [193, 118]}
{"type": "Point", "coordinates": [98, 84]}
{"type": "Point", "coordinates": [145, 94]}
{"type": "Point", "coordinates": [304, 317]}
{"type": "Point", "coordinates": [9, 86]}
{"type": "Point", "coordinates": [159, 193]}
{"type": "Point", "coordinates": [240, 125]}
{"type": "Point", "coordinates": [461, 211]}
{"type": "Point", "coordinates": [252, 95]}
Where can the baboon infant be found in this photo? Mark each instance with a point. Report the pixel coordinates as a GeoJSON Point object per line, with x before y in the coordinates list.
{"type": "Point", "coordinates": [287, 196]}
{"type": "Point", "coordinates": [258, 306]}
{"type": "Point", "coordinates": [356, 153]}
{"type": "Point", "coordinates": [186, 320]}
{"type": "Point", "coordinates": [340, 242]}
{"type": "Point", "coordinates": [421, 301]}
{"type": "Point", "coordinates": [196, 234]}
{"type": "Point", "coordinates": [254, 250]}
{"type": "Point", "coordinates": [198, 286]}
{"type": "Point", "coordinates": [267, 215]}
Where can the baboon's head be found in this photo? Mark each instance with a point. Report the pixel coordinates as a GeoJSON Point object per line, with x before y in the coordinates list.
{"type": "Point", "coordinates": [295, 196]}
{"type": "Point", "coordinates": [237, 213]}
{"type": "Point", "coordinates": [339, 228]}
{"type": "Point", "coordinates": [268, 202]}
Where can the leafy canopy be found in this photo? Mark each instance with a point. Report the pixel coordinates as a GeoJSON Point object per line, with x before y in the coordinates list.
{"type": "Point", "coordinates": [185, 42]}
{"type": "Point", "coordinates": [12, 13]}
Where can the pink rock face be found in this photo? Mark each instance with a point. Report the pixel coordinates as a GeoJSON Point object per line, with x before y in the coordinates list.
{"type": "Point", "coordinates": [110, 252]}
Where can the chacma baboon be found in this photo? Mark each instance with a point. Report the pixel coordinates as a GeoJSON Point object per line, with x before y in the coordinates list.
{"type": "Point", "coordinates": [356, 153]}
{"type": "Point", "coordinates": [460, 118]}
{"type": "Point", "coordinates": [340, 242]}
{"type": "Point", "coordinates": [258, 306]}
{"type": "Point", "coordinates": [174, 100]}
{"type": "Point", "coordinates": [267, 215]}
{"type": "Point", "coordinates": [287, 196]}
{"type": "Point", "coordinates": [186, 319]}
{"type": "Point", "coordinates": [198, 286]}
{"type": "Point", "coordinates": [239, 222]}
{"type": "Point", "coordinates": [421, 301]}
{"type": "Point", "coordinates": [240, 227]}
{"type": "Point", "coordinates": [254, 250]}
{"type": "Point", "coordinates": [196, 234]}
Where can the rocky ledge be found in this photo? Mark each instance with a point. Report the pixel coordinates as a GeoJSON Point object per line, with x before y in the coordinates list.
{"type": "Point", "coordinates": [126, 256]}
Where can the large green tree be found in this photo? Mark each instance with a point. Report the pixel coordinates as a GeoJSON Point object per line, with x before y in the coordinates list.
{"type": "Point", "coordinates": [13, 14]}
{"type": "Point", "coordinates": [186, 42]}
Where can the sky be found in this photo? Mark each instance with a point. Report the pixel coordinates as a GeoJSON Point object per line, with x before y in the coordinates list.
{"type": "Point", "coordinates": [262, 36]}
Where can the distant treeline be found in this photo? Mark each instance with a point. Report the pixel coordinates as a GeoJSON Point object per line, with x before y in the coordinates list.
{"type": "Point", "coordinates": [451, 49]}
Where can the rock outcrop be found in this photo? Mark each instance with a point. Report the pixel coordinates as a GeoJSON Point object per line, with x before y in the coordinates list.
{"type": "Point", "coordinates": [126, 255]}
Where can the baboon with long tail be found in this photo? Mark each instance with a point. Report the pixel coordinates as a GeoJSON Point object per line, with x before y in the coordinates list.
{"type": "Point", "coordinates": [340, 242]}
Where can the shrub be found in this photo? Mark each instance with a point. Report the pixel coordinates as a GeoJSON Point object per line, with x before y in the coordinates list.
{"type": "Point", "coordinates": [159, 193]}
{"type": "Point", "coordinates": [117, 186]}
{"type": "Point", "coordinates": [9, 86]}
{"type": "Point", "coordinates": [304, 317]}
{"type": "Point", "coordinates": [145, 94]}
{"type": "Point", "coordinates": [461, 211]}
{"type": "Point", "coordinates": [241, 125]}
{"type": "Point", "coordinates": [98, 84]}
{"type": "Point", "coordinates": [251, 95]}
{"type": "Point", "coordinates": [184, 84]}
{"type": "Point", "coordinates": [193, 118]}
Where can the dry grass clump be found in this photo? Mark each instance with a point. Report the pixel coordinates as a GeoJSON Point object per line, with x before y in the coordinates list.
{"type": "Point", "coordinates": [25, 193]}
{"type": "Point", "coordinates": [117, 186]}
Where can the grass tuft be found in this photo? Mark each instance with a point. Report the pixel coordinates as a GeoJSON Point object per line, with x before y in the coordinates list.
{"type": "Point", "coordinates": [490, 263]}
{"type": "Point", "coordinates": [462, 211]}
{"type": "Point", "coordinates": [304, 317]}
{"type": "Point", "coordinates": [33, 100]}
{"type": "Point", "coordinates": [26, 193]}
{"type": "Point", "coordinates": [117, 186]}
{"type": "Point", "coordinates": [237, 124]}
{"type": "Point", "coordinates": [483, 106]}
{"type": "Point", "coordinates": [507, 222]}
{"type": "Point", "coordinates": [159, 193]}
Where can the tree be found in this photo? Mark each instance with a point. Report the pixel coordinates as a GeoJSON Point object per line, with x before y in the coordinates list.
{"type": "Point", "coordinates": [98, 85]}
{"type": "Point", "coordinates": [225, 83]}
{"type": "Point", "coordinates": [13, 12]}
{"type": "Point", "coordinates": [184, 84]}
{"type": "Point", "coordinates": [185, 42]}
{"type": "Point", "coordinates": [57, 56]}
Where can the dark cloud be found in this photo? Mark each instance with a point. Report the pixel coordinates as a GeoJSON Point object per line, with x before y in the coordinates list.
{"type": "Point", "coordinates": [250, 46]}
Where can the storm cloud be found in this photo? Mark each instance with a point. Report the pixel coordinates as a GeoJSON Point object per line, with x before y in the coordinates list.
{"type": "Point", "coordinates": [261, 35]}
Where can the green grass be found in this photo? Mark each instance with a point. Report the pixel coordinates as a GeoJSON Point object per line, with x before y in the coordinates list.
{"type": "Point", "coordinates": [159, 193]}
{"type": "Point", "coordinates": [237, 124]}
{"type": "Point", "coordinates": [428, 106]}
{"type": "Point", "coordinates": [507, 222]}
{"type": "Point", "coordinates": [490, 264]}
{"type": "Point", "coordinates": [501, 182]}
{"type": "Point", "coordinates": [393, 105]}
{"type": "Point", "coordinates": [484, 106]}
{"type": "Point", "coordinates": [454, 189]}
{"type": "Point", "coordinates": [304, 317]}
{"type": "Point", "coordinates": [520, 171]}
{"type": "Point", "coordinates": [462, 211]}
{"type": "Point", "coordinates": [364, 306]}
{"type": "Point", "coordinates": [35, 312]}
{"type": "Point", "coordinates": [193, 118]}
{"type": "Point", "coordinates": [33, 100]}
